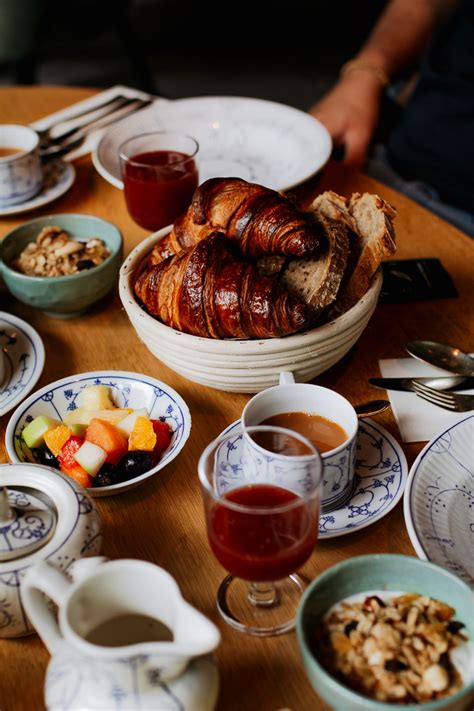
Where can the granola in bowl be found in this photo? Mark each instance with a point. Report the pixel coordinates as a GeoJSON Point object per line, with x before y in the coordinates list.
{"type": "Point", "coordinates": [56, 253]}
{"type": "Point", "coordinates": [395, 648]}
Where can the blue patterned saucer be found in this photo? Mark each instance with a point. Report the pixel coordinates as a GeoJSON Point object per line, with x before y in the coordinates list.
{"type": "Point", "coordinates": [23, 354]}
{"type": "Point", "coordinates": [381, 473]}
{"type": "Point", "coordinates": [439, 500]}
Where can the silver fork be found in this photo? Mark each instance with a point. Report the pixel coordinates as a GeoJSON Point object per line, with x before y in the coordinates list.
{"type": "Point", "coordinates": [83, 118]}
{"type": "Point", "coordinates": [455, 402]}
{"type": "Point", "coordinates": [57, 147]}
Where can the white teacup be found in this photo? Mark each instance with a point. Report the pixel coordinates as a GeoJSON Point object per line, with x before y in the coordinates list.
{"type": "Point", "coordinates": [288, 396]}
{"type": "Point", "coordinates": [21, 174]}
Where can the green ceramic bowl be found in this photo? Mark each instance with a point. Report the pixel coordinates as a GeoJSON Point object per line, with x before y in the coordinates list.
{"type": "Point", "coordinates": [379, 572]}
{"type": "Point", "coordinates": [64, 296]}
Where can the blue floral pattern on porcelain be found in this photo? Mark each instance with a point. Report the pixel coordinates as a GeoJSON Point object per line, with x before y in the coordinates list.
{"type": "Point", "coordinates": [128, 389]}
{"type": "Point", "coordinates": [78, 535]}
{"type": "Point", "coordinates": [23, 355]}
{"type": "Point", "coordinates": [439, 501]}
{"type": "Point", "coordinates": [381, 472]}
{"type": "Point", "coordinates": [135, 683]}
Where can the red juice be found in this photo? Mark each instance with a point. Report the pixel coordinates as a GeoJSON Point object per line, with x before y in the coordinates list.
{"type": "Point", "coordinates": [158, 187]}
{"type": "Point", "coordinates": [262, 546]}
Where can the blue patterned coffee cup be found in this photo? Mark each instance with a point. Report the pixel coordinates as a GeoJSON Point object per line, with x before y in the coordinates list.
{"type": "Point", "coordinates": [21, 173]}
{"type": "Point", "coordinates": [339, 463]}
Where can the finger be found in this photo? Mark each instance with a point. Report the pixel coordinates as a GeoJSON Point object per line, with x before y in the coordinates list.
{"type": "Point", "coordinates": [356, 146]}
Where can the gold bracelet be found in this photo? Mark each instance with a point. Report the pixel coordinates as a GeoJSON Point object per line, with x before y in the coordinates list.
{"type": "Point", "coordinates": [354, 64]}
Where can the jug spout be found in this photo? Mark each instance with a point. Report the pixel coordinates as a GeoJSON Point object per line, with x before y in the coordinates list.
{"type": "Point", "coordinates": [194, 633]}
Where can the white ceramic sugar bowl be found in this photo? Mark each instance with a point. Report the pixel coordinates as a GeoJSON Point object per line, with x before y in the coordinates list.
{"type": "Point", "coordinates": [44, 516]}
{"type": "Point", "coordinates": [125, 638]}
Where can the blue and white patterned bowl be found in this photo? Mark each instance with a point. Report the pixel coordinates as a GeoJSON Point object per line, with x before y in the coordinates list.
{"type": "Point", "coordinates": [128, 389]}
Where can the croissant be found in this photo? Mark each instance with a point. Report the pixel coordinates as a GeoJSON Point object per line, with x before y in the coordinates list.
{"type": "Point", "coordinates": [262, 221]}
{"type": "Point", "coordinates": [207, 290]}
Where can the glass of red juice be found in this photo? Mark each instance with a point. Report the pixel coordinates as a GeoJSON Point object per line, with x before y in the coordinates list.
{"type": "Point", "coordinates": [160, 174]}
{"type": "Point", "coordinates": [262, 522]}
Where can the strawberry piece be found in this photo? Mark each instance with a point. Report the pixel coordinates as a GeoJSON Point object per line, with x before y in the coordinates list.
{"type": "Point", "coordinates": [65, 457]}
{"type": "Point", "coordinates": [163, 437]}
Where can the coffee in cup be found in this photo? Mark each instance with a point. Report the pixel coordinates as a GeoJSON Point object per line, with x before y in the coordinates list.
{"type": "Point", "coordinates": [322, 415]}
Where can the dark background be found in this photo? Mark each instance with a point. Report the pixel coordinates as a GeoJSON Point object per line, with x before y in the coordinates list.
{"type": "Point", "coordinates": [284, 51]}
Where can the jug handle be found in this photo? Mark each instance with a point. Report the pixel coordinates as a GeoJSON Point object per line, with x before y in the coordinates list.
{"type": "Point", "coordinates": [44, 578]}
{"type": "Point", "coordinates": [286, 378]}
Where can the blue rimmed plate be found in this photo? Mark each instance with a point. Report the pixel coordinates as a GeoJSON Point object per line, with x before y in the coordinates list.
{"type": "Point", "coordinates": [439, 500]}
{"type": "Point", "coordinates": [128, 389]}
{"type": "Point", "coordinates": [23, 360]}
{"type": "Point", "coordinates": [381, 473]}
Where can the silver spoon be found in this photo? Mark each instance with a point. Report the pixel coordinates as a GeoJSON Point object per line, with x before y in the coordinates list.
{"type": "Point", "coordinates": [442, 356]}
{"type": "Point", "coordinates": [373, 407]}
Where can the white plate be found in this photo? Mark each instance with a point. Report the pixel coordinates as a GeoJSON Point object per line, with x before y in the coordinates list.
{"type": "Point", "coordinates": [381, 473]}
{"type": "Point", "coordinates": [24, 360]}
{"type": "Point", "coordinates": [439, 500]}
{"type": "Point", "coordinates": [261, 141]}
{"type": "Point", "coordinates": [58, 178]}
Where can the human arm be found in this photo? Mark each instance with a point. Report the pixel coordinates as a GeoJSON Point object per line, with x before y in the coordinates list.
{"type": "Point", "coordinates": [351, 109]}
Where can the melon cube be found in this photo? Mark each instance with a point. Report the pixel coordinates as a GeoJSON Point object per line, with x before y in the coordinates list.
{"type": "Point", "coordinates": [96, 397]}
{"type": "Point", "coordinates": [34, 432]}
{"type": "Point", "coordinates": [90, 457]}
{"type": "Point", "coordinates": [126, 425]}
{"type": "Point", "coordinates": [81, 416]}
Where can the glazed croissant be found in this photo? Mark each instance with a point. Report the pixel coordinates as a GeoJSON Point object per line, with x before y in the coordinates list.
{"type": "Point", "coordinates": [261, 220]}
{"type": "Point", "coordinates": [207, 290]}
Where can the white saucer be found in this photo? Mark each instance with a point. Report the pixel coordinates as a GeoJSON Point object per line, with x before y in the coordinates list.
{"type": "Point", "coordinates": [24, 360]}
{"type": "Point", "coordinates": [381, 474]}
{"type": "Point", "coordinates": [58, 178]}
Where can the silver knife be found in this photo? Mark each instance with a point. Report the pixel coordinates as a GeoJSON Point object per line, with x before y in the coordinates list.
{"type": "Point", "coordinates": [443, 382]}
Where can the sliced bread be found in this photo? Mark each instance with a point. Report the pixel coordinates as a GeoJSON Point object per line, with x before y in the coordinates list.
{"type": "Point", "coordinates": [373, 221]}
{"type": "Point", "coordinates": [317, 279]}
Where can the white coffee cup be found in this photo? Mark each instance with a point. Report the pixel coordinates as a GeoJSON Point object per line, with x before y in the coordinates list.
{"type": "Point", "coordinates": [21, 173]}
{"type": "Point", "coordinates": [288, 396]}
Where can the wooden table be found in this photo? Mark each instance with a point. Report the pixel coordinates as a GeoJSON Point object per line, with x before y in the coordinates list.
{"type": "Point", "coordinates": [162, 520]}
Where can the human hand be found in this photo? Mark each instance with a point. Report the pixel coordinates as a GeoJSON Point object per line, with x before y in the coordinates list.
{"type": "Point", "coordinates": [350, 112]}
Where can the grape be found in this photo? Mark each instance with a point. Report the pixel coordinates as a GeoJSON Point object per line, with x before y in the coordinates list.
{"type": "Point", "coordinates": [108, 475]}
{"type": "Point", "coordinates": [135, 463]}
{"type": "Point", "coordinates": [45, 456]}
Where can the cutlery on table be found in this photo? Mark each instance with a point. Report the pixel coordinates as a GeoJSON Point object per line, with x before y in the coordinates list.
{"type": "Point", "coordinates": [449, 382]}
{"type": "Point", "coordinates": [373, 407]}
{"type": "Point", "coordinates": [55, 148]}
{"type": "Point", "coordinates": [442, 356]}
{"type": "Point", "coordinates": [449, 401]}
{"type": "Point", "coordinates": [82, 118]}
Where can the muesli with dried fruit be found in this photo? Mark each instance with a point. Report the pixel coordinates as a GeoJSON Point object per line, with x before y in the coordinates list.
{"type": "Point", "coordinates": [395, 649]}
{"type": "Point", "coordinates": [56, 253]}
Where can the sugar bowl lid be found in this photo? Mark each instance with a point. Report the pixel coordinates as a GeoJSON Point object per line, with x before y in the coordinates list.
{"type": "Point", "coordinates": [40, 508]}
{"type": "Point", "coordinates": [27, 522]}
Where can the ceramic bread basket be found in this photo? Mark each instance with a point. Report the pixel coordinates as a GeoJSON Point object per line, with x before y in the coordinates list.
{"type": "Point", "coordinates": [245, 366]}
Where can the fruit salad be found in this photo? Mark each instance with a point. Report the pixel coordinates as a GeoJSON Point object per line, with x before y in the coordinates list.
{"type": "Point", "coordinates": [99, 444]}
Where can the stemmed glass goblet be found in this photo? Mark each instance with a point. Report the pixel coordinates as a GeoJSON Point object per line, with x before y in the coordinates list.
{"type": "Point", "coordinates": [261, 492]}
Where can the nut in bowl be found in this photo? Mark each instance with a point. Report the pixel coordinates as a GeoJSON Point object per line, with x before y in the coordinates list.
{"type": "Point", "coordinates": [61, 264]}
{"type": "Point", "coordinates": [109, 430]}
{"type": "Point", "coordinates": [247, 284]}
{"type": "Point", "coordinates": [380, 632]}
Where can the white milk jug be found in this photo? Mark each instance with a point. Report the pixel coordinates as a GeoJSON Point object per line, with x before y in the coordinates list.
{"type": "Point", "coordinates": [125, 638]}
